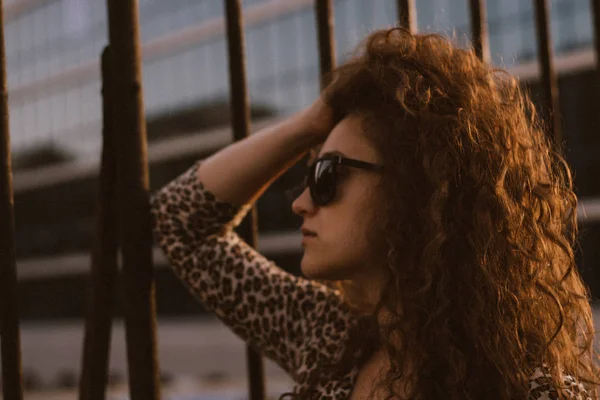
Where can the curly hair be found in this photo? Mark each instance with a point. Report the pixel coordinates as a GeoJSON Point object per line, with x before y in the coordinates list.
{"type": "Point", "coordinates": [476, 217]}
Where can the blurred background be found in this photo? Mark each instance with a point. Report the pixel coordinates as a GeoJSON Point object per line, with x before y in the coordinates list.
{"type": "Point", "coordinates": [53, 49]}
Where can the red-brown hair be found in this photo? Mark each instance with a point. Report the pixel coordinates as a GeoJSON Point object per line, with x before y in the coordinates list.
{"type": "Point", "coordinates": [477, 215]}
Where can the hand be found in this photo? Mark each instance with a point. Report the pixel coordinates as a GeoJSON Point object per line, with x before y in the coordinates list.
{"type": "Point", "coordinates": [318, 119]}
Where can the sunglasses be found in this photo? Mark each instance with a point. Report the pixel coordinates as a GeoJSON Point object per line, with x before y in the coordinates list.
{"type": "Point", "coordinates": [322, 177]}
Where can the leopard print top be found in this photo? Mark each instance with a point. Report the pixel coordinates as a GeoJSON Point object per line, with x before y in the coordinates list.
{"type": "Point", "coordinates": [298, 323]}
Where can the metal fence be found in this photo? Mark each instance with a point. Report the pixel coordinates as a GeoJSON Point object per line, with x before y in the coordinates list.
{"type": "Point", "coordinates": [123, 221]}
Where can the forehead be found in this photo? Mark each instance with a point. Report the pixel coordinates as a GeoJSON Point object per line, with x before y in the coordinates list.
{"type": "Point", "coordinates": [348, 138]}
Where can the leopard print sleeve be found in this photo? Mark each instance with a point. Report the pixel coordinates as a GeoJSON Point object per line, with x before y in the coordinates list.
{"type": "Point", "coordinates": [541, 387]}
{"type": "Point", "coordinates": [296, 322]}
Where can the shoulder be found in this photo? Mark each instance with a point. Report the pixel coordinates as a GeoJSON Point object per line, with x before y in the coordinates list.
{"type": "Point", "coordinates": [542, 387]}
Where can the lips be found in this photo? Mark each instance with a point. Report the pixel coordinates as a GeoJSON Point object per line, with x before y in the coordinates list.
{"type": "Point", "coordinates": [308, 232]}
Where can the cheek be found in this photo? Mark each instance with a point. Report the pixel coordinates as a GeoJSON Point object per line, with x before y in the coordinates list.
{"type": "Point", "coordinates": [342, 250]}
{"type": "Point", "coordinates": [354, 218]}
{"type": "Point", "coordinates": [350, 238]}
{"type": "Point", "coordinates": [339, 254]}
{"type": "Point", "coordinates": [352, 242]}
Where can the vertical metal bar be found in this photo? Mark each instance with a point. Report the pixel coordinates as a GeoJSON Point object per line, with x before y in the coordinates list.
{"type": "Point", "coordinates": [407, 15]}
{"type": "Point", "coordinates": [134, 205]}
{"type": "Point", "coordinates": [479, 30]}
{"type": "Point", "coordinates": [549, 80]}
{"type": "Point", "coordinates": [10, 347]}
{"type": "Point", "coordinates": [240, 117]}
{"type": "Point", "coordinates": [596, 19]}
{"type": "Point", "coordinates": [595, 8]}
{"type": "Point", "coordinates": [325, 33]}
{"type": "Point", "coordinates": [104, 256]}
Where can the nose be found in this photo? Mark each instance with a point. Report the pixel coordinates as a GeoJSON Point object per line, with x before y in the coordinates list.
{"type": "Point", "coordinates": [303, 204]}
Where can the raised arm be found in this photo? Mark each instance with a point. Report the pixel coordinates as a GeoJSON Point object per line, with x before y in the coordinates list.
{"type": "Point", "coordinates": [281, 315]}
{"type": "Point", "coordinates": [241, 172]}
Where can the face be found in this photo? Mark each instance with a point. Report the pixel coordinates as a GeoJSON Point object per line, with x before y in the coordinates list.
{"type": "Point", "coordinates": [339, 251]}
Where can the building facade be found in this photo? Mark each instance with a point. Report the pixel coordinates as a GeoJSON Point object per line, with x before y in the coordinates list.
{"type": "Point", "coordinates": [53, 49]}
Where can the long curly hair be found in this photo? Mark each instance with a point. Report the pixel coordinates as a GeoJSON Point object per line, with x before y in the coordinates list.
{"type": "Point", "coordinates": [476, 217]}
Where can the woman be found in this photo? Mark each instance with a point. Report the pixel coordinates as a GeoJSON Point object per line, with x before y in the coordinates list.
{"type": "Point", "coordinates": [439, 229]}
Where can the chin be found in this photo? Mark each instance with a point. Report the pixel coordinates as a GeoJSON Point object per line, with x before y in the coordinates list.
{"type": "Point", "coordinates": [319, 271]}
{"type": "Point", "coordinates": [309, 269]}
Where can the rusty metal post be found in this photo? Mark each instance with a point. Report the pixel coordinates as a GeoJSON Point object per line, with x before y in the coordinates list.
{"type": "Point", "coordinates": [549, 80]}
{"type": "Point", "coordinates": [479, 30]}
{"type": "Point", "coordinates": [96, 348]}
{"type": "Point", "coordinates": [134, 204]}
{"type": "Point", "coordinates": [240, 119]}
{"type": "Point", "coordinates": [325, 32]}
{"type": "Point", "coordinates": [596, 21]}
{"type": "Point", "coordinates": [10, 347]}
{"type": "Point", "coordinates": [407, 15]}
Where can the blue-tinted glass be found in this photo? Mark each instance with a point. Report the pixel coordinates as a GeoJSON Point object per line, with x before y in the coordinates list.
{"type": "Point", "coordinates": [384, 13]}
{"type": "Point", "coordinates": [58, 35]}
{"type": "Point", "coordinates": [582, 24]}
{"type": "Point", "coordinates": [307, 38]}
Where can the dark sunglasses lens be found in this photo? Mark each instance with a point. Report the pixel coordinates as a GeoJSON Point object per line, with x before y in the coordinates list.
{"type": "Point", "coordinates": [323, 182]}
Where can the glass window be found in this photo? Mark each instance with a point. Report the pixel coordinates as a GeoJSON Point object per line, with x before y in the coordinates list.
{"type": "Point", "coordinates": [39, 26]}
{"type": "Point", "coordinates": [57, 111]}
{"type": "Point", "coordinates": [41, 67]}
{"type": "Point", "coordinates": [437, 17]}
{"type": "Point", "coordinates": [249, 3]}
{"type": "Point", "coordinates": [10, 38]}
{"type": "Point", "coordinates": [12, 79]}
{"type": "Point", "coordinates": [43, 117]}
{"type": "Point", "coordinates": [364, 11]}
{"type": "Point", "coordinates": [203, 67]}
{"type": "Point", "coordinates": [512, 44]}
{"type": "Point", "coordinates": [150, 81]}
{"type": "Point", "coordinates": [342, 25]}
{"type": "Point", "coordinates": [213, 9]}
{"type": "Point", "coordinates": [98, 12]}
{"type": "Point", "coordinates": [92, 102]}
{"type": "Point", "coordinates": [260, 58]}
{"type": "Point", "coordinates": [425, 14]}
{"type": "Point", "coordinates": [89, 52]}
{"type": "Point", "coordinates": [160, 84]}
{"type": "Point", "coordinates": [582, 25]}
{"type": "Point", "coordinates": [187, 76]}
{"type": "Point", "coordinates": [54, 25]}
{"type": "Point", "coordinates": [529, 44]}
{"type": "Point", "coordinates": [27, 74]}
{"type": "Point", "coordinates": [195, 11]}
{"type": "Point", "coordinates": [459, 16]}
{"type": "Point", "coordinates": [73, 107]}
{"type": "Point", "coordinates": [309, 85]}
{"type": "Point", "coordinates": [384, 13]}
{"type": "Point", "coordinates": [218, 67]}
{"type": "Point", "coordinates": [54, 63]}
{"type": "Point", "coordinates": [506, 8]}
{"type": "Point", "coordinates": [251, 58]}
{"type": "Point", "coordinates": [564, 36]}
{"type": "Point", "coordinates": [28, 122]}
{"type": "Point", "coordinates": [14, 117]}
{"type": "Point", "coordinates": [173, 81]}
{"type": "Point", "coordinates": [285, 43]}
{"type": "Point", "coordinates": [307, 38]}
{"type": "Point", "coordinates": [25, 32]}
{"type": "Point", "coordinates": [358, 26]}
{"type": "Point", "coordinates": [184, 17]}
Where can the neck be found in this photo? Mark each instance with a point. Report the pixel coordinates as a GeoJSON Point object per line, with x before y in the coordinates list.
{"type": "Point", "coordinates": [367, 287]}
